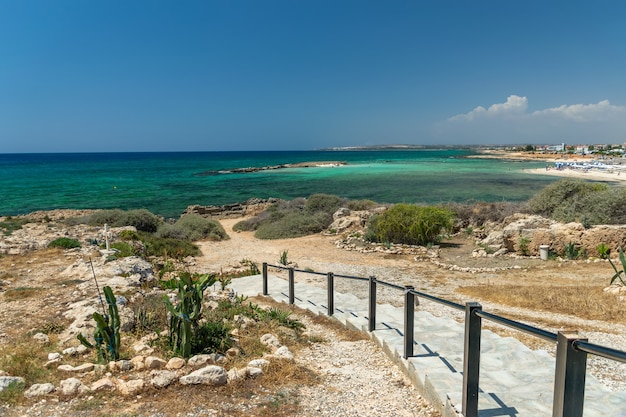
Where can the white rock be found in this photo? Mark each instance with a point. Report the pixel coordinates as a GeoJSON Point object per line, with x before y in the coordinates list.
{"type": "Point", "coordinates": [254, 372]}
{"type": "Point", "coordinates": [72, 386]}
{"type": "Point", "coordinates": [201, 360]}
{"type": "Point", "coordinates": [258, 363]}
{"type": "Point", "coordinates": [152, 362]}
{"type": "Point", "coordinates": [41, 338]}
{"type": "Point", "coordinates": [7, 381]}
{"type": "Point", "coordinates": [209, 375]}
{"type": "Point", "coordinates": [162, 379]}
{"type": "Point", "coordinates": [104, 384]}
{"type": "Point", "coordinates": [270, 341]}
{"type": "Point", "coordinates": [131, 387]}
{"type": "Point", "coordinates": [175, 363]}
{"type": "Point", "coordinates": [39, 390]}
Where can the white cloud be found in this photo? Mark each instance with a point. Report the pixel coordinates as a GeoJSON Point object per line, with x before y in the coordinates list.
{"type": "Point", "coordinates": [512, 122]}
{"type": "Point", "coordinates": [600, 111]}
{"type": "Point", "coordinates": [514, 105]}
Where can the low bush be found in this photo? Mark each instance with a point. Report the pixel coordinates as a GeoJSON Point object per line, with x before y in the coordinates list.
{"type": "Point", "coordinates": [325, 203]}
{"type": "Point", "coordinates": [141, 219]}
{"type": "Point", "coordinates": [124, 249]}
{"type": "Point", "coordinates": [193, 227]}
{"type": "Point", "coordinates": [64, 243]}
{"type": "Point", "coordinates": [294, 224]}
{"type": "Point", "coordinates": [129, 235]}
{"type": "Point", "coordinates": [10, 224]}
{"type": "Point", "coordinates": [576, 200]}
{"type": "Point", "coordinates": [167, 247]}
{"type": "Point", "coordinates": [478, 213]}
{"type": "Point", "coordinates": [360, 205]}
{"type": "Point", "coordinates": [411, 224]}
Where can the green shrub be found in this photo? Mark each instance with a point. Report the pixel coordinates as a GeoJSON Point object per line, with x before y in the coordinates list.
{"type": "Point", "coordinates": [411, 224]}
{"type": "Point", "coordinates": [124, 250]}
{"type": "Point", "coordinates": [129, 235]}
{"type": "Point", "coordinates": [10, 224]}
{"type": "Point", "coordinates": [193, 227]}
{"type": "Point", "coordinates": [64, 243]}
{"type": "Point", "coordinates": [172, 248]}
{"type": "Point", "coordinates": [141, 219]}
{"type": "Point", "coordinates": [603, 250]}
{"type": "Point", "coordinates": [571, 251]}
{"type": "Point", "coordinates": [360, 205]}
{"type": "Point", "coordinates": [325, 203]}
{"type": "Point", "coordinates": [210, 337]}
{"type": "Point", "coordinates": [523, 245]}
{"type": "Point", "coordinates": [584, 202]}
{"type": "Point", "coordinates": [294, 224]}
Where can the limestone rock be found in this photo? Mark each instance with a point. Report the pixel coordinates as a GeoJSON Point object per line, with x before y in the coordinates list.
{"type": "Point", "coordinates": [131, 387]}
{"type": "Point", "coordinates": [175, 363]}
{"type": "Point", "coordinates": [258, 363]}
{"type": "Point", "coordinates": [72, 386]}
{"type": "Point", "coordinates": [283, 352]}
{"type": "Point", "coordinates": [235, 374]}
{"type": "Point", "coordinates": [152, 362]}
{"type": "Point", "coordinates": [209, 375]}
{"type": "Point", "coordinates": [162, 379]}
{"type": "Point", "coordinates": [7, 381]}
{"type": "Point", "coordinates": [254, 372]}
{"type": "Point", "coordinates": [198, 361]}
{"type": "Point", "coordinates": [104, 384]}
{"type": "Point", "coordinates": [138, 363]}
{"type": "Point", "coordinates": [41, 338]}
{"type": "Point", "coordinates": [270, 341]}
{"type": "Point", "coordinates": [39, 390]}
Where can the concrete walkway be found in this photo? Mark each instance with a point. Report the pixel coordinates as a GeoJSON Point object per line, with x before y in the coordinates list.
{"type": "Point", "coordinates": [514, 380]}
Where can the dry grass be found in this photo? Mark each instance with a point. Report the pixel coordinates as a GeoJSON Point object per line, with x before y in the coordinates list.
{"type": "Point", "coordinates": [21, 293]}
{"type": "Point", "coordinates": [585, 302]}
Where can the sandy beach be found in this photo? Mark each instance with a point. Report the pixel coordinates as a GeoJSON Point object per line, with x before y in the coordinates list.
{"type": "Point", "coordinates": [610, 174]}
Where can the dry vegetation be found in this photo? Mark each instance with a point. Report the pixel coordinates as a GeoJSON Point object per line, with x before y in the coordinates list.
{"type": "Point", "coordinates": [586, 301]}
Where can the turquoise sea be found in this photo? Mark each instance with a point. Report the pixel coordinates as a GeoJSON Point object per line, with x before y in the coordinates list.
{"type": "Point", "coordinates": [166, 183]}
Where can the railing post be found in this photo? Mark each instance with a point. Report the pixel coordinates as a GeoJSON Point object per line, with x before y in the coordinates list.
{"type": "Point", "coordinates": [292, 286]}
{"type": "Point", "coordinates": [372, 305]}
{"type": "Point", "coordinates": [265, 290]}
{"type": "Point", "coordinates": [471, 359]}
{"type": "Point", "coordinates": [409, 320]}
{"type": "Point", "coordinates": [330, 283]}
{"type": "Point", "coordinates": [569, 381]}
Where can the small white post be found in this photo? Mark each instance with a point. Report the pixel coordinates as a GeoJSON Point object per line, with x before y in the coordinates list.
{"type": "Point", "coordinates": [106, 236]}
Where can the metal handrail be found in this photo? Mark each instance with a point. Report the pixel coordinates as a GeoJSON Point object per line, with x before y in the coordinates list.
{"type": "Point", "coordinates": [439, 300]}
{"type": "Point", "coordinates": [571, 352]}
{"type": "Point", "coordinates": [598, 350]}
{"type": "Point", "coordinates": [535, 331]}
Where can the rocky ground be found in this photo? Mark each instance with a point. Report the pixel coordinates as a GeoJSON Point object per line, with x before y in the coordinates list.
{"type": "Point", "coordinates": [356, 378]}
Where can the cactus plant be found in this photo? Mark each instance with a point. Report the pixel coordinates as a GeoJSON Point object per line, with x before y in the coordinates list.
{"type": "Point", "coordinates": [107, 333]}
{"type": "Point", "coordinates": [184, 317]}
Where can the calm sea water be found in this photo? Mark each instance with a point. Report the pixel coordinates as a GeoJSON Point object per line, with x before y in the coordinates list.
{"type": "Point", "coordinates": [166, 183]}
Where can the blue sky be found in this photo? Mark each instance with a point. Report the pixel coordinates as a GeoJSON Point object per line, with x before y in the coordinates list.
{"type": "Point", "coordinates": [106, 75]}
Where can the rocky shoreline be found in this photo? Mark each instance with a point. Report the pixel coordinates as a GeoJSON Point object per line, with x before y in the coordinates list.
{"type": "Point", "coordinates": [245, 170]}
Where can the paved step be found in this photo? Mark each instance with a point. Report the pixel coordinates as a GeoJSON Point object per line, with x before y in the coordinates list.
{"type": "Point", "coordinates": [514, 380]}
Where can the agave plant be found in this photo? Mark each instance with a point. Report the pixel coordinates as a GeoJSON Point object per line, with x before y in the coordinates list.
{"type": "Point", "coordinates": [107, 333]}
{"type": "Point", "coordinates": [618, 274]}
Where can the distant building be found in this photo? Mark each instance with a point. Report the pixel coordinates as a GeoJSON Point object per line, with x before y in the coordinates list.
{"type": "Point", "coordinates": [556, 148]}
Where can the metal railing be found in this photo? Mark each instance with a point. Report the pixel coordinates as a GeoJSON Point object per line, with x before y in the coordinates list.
{"type": "Point", "coordinates": [571, 350]}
